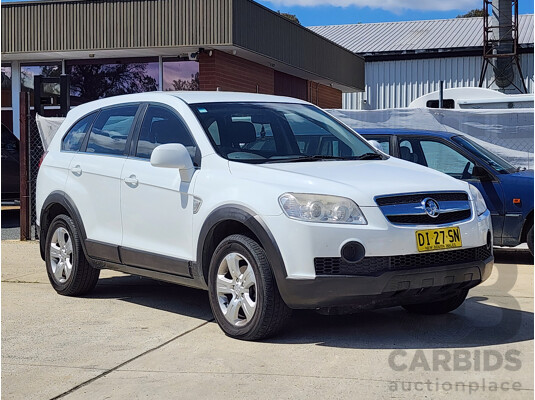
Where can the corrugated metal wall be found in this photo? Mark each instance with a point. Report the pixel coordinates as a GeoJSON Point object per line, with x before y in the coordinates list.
{"type": "Point", "coordinates": [314, 54]}
{"type": "Point", "coordinates": [92, 25]}
{"type": "Point", "coordinates": [394, 84]}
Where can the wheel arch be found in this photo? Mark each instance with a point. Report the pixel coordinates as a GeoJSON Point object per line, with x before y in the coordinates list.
{"type": "Point", "coordinates": [528, 223]}
{"type": "Point", "coordinates": [231, 219]}
{"type": "Point", "coordinates": [57, 203]}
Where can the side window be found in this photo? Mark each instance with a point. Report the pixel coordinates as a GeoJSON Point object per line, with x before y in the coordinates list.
{"type": "Point", "coordinates": [74, 138]}
{"type": "Point", "coordinates": [445, 159]}
{"type": "Point", "coordinates": [162, 126]}
{"type": "Point", "coordinates": [110, 130]}
{"type": "Point", "coordinates": [447, 103]}
{"type": "Point", "coordinates": [213, 129]}
{"type": "Point", "coordinates": [407, 153]}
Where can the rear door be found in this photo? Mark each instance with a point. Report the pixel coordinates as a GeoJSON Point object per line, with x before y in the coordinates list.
{"type": "Point", "coordinates": [157, 207]}
{"type": "Point", "coordinates": [94, 179]}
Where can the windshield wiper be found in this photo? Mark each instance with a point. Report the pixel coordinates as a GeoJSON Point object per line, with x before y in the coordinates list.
{"type": "Point", "coordinates": [365, 156]}
{"type": "Point", "coordinates": [309, 158]}
{"type": "Point", "coordinates": [369, 156]}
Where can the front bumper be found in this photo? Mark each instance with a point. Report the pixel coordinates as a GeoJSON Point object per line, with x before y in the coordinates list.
{"type": "Point", "coordinates": [302, 242]}
{"type": "Point", "coordinates": [387, 290]}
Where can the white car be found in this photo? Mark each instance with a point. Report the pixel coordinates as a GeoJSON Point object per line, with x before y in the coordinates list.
{"type": "Point", "coordinates": [267, 202]}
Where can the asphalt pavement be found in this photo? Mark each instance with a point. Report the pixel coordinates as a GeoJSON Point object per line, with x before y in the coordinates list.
{"type": "Point", "coordinates": [136, 338]}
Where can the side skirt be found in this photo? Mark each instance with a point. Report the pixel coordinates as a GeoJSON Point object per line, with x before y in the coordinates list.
{"type": "Point", "coordinates": [142, 263]}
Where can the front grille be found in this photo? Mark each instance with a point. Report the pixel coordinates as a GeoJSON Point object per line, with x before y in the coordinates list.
{"type": "Point", "coordinates": [424, 219]}
{"type": "Point", "coordinates": [375, 266]}
{"type": "Point", "coordinates": [337, 266]}
{"type": "Point", "coordinates": [418, 197]}
{"type": "Point", "coordinates": [439, 258]}
{"type": "Point", "coordinates": [408, 209]}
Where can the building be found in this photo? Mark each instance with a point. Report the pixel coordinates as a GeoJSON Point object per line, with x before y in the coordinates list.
{"type": "Point", "coordinates": [405, 60]}
{"type": "Point", "coordinates": [111, 47]}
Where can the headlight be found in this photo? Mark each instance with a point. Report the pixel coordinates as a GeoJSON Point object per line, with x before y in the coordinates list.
{"type": "Point", "coordinates": [478, 200]}
{"type": "Point", "coordinates": [321, 208]}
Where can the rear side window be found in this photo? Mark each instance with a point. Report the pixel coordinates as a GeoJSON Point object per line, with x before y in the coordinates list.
{"type": "Point", "coordinates": [74, 138]}
{"type": "Point", "coordinates": [110, 130]}
{"type": "Point", "coordinates": [162, 126]}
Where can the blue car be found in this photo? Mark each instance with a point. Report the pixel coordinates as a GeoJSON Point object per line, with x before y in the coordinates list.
{"type": "Point", "coordinates": [507, 190]}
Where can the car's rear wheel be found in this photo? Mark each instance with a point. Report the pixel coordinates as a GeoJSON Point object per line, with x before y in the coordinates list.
{"type": "Point", "coordinates": [68, 270]}
{"type": "Point", "coordinates": [440, 306]}
{"type": "Point", "coordinates": [243, 293]}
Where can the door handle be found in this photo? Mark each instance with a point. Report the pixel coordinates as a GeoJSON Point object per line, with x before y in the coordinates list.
{"type": "Point", "coordinates": [76, 170]}
{"type": "Point", "coordinates": [131, 181]}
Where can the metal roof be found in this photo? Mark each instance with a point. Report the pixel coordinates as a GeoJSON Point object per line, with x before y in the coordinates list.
{"type": "Point", "coordinates": [416, 35]}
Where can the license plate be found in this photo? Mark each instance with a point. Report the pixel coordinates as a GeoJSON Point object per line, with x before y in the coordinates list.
{"type": "Point", "coordinates": [438, 239]}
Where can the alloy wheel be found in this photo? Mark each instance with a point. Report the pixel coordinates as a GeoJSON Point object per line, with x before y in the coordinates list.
{"type": "Point", "coordinates": [61, 255]}
{"type": "Point", "coordinates": [236, 289]}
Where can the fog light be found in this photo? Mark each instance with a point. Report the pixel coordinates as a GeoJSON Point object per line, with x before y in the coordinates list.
{"type": "Point", "coordinates": [353, 252]}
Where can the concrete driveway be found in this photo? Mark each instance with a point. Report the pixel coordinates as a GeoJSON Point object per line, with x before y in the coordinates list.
{"type": "Point", "coordinates": [135, 338]}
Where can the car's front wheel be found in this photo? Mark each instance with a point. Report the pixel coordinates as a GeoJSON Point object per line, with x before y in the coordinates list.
{"type": "Point", "coordinates": [243, 293]}
{"type": "Point", "coordinates": [68, 270]}
{"type": "Point", "coordinates": [442, 306]}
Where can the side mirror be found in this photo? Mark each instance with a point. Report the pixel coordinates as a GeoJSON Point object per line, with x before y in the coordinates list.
{"type": "Point", "coordinates": [375, 144]}
{"type": "Point", "coordinates": [173, 155]}
{"type": "Point", "coordinates": [481, 173]}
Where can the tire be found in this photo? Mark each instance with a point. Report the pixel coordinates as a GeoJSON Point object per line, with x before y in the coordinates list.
{"type": "Point", "coordinates": [244, 297]}
{"type": "Point", "coordinates": [438, 307]}
{"type": "Point", "coordinates": [68, 270]}
{"type": "Point", "coordinates": [530, 240]}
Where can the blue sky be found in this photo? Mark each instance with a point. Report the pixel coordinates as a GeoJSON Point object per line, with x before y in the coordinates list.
{"type": "Point", "coordinates": [332, 12]}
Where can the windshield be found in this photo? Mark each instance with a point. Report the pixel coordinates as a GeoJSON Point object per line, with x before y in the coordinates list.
{"type": "Point", "coordinates": [279, 132]}
{"type": "Point", "coordinates": [495, 162]}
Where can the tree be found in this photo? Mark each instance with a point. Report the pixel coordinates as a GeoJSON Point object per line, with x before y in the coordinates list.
{"type": "Point", "coordinates": [95, 81]}
{"type": "Point", "coordinates": [187, 84]}
{"type": "Point", "coordinates": [291, 17]}
{"type": "Point", "coordinates": [479, 12]}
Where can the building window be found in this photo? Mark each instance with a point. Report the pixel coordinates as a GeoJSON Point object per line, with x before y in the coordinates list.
{"type": "Point", "coordinates": [50, 91]}
{"type": "Point", "coordinates": [6, 85]}
{"type": "Point", "coordinates": [92, 80]}
{"type": "Point", "coordinates": [180, 75]}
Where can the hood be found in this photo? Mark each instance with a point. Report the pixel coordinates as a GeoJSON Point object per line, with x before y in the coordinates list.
{"type": "Point", "coordinates": [361, 181]}
{"type": "Point", "coordinates": [520, 175]}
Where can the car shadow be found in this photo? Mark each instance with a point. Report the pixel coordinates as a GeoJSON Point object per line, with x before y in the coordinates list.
{"type": "Point", "coordinates": [476, 323]}
{"type": "Point", "coordinates": [151, 293]}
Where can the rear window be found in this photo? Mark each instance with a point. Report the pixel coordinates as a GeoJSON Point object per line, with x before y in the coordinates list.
{"type": "Point", "coordinates": [74, 138]}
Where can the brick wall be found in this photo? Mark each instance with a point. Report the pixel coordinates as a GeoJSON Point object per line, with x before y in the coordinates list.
{"type": "Point", "coordinates": [232, 73]}
{"type": "Point", "coordinates": [324, 96]}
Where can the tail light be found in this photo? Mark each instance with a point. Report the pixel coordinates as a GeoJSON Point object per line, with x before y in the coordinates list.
{"type": "Point", "coordinates": [42, 158]}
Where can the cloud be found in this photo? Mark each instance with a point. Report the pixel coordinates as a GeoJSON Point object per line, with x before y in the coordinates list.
{"type": "Point", "coordinates": [389, 5]}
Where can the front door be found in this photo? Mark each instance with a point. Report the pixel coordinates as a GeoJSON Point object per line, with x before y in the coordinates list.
{"type": "Point", "coordinates": [157, 207]}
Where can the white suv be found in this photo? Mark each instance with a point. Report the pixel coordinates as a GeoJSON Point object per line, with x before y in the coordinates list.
{"type": "Point", "coordinates": [267, 202]}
